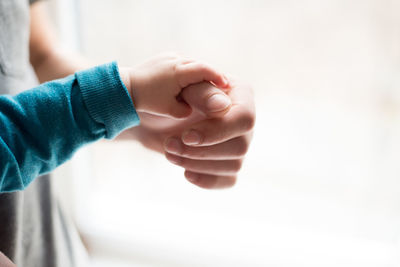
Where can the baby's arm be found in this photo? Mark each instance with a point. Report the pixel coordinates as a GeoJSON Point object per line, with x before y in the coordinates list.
{"type": "Point", "coordinates": [41, 128]}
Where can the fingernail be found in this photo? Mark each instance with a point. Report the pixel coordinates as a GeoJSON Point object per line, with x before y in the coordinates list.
{"type": "Point", "coordinates": [191, 137]}
{"type": "Point", "coordinates": [218, 102]}
{"type": "Point", "coordinates": [173, 145]}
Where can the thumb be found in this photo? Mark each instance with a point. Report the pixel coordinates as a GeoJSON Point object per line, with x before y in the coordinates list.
{"type": "Point", "coordinates": [208, 99]}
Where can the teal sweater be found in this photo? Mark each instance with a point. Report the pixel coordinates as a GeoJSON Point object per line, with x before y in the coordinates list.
{"type": "Point", "coordinates": [42, 128]}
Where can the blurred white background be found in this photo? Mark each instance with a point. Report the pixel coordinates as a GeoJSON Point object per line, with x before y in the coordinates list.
{"type": "Point", "coordinates": [321, 183]}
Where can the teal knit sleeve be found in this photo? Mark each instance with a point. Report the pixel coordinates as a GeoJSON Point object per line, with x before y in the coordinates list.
{"type": "Point", "coordinates": [42, 128]}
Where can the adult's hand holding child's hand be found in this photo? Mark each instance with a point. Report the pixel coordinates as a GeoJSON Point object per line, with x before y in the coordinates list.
{"type": "Point", "coordinates": [212, 149]}
{"type": "Point", "coordinates": [224, 136]}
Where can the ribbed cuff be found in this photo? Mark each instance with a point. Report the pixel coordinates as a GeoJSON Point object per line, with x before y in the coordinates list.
{"type": "Point", "coordinates": [107, 98]}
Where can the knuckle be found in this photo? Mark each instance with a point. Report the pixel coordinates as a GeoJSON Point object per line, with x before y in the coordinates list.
{"type": "Point", "coordinates": [248, 120]}
{"type": "Point", "coordinates": [242, 146]}
{"type": "Point", "coordinates": [236, 165]}
{"type": "Point", "coordinates": [202, 67]}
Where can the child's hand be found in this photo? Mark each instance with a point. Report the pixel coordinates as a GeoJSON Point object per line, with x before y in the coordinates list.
{"type": "Point", "coordinates": [155, 86]}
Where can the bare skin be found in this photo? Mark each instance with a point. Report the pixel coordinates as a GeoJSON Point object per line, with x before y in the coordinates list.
{"type": "Point", "coordinates": [156, 85]}
{"type": "Point", "coordinates": [5, 262]}
{"type": "Point", "coordinates": [224, 136]}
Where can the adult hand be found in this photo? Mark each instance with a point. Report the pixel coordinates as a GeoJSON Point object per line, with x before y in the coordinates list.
{"type": "Point", "coordinates": [223, 137]}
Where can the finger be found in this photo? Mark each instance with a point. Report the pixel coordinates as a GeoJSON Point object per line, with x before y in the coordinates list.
{"type": "Point", "coordinates": [207, 181]}
{"type": "Point", "coordinates": [207, 99]}
{"type": "Point", "coordinates": [212, 167]}
{"type": "Point", "coordinates": [237, 122]}
{"type": "Point", "coordinates": [232, 149]}
{"type": "Point", "coordinates": [195, 72]}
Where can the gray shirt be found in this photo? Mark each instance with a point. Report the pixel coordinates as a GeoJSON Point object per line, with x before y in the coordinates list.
{"type": "Point", "coordinates": [33, 230]}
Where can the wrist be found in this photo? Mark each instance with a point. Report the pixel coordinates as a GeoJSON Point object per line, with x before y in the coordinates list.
{"type": "Point", "coordinates": [126, 79]}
